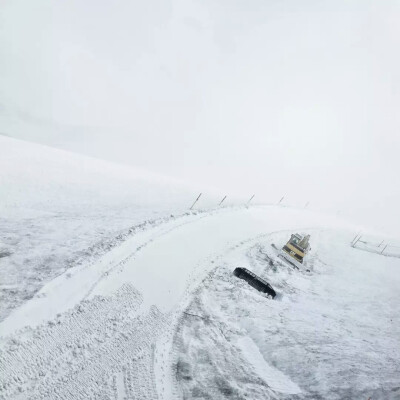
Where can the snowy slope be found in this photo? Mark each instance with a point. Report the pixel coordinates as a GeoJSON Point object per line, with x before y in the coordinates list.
{"type": "Point", "coordinates": [157, 313]}
{"type": "Point", "coordinates": [59, 209]}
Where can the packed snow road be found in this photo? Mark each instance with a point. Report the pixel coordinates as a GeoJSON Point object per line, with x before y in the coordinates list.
{"type": "Point", "coordinates": [118, 329]}
{"type": "Point", "coordinates": [158, 262]}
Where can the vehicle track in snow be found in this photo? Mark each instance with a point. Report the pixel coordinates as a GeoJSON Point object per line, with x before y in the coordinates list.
{"type": "Point", "coordinates": [116, 342]}
{"type": "Point", "coordinates": [84, 352]}
{"type": "Point", "coordinates": [168, 348]}
{"type": "Point", "coordinates": [76, 355]}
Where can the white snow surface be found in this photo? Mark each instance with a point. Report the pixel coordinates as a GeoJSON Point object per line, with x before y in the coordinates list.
{"type": "Point", "coordinates": [60, 209]}
{"type": "Point", "coordinates": [156, 312]}
{"type": "Point", "coordinates": [332, 330]}
{"type": "Point", "coordinates": [275, 379]}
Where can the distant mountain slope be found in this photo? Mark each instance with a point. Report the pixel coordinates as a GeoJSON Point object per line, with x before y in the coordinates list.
{"type": "Point", "coordinates": [32, 174]}
{"type": "Point", "coordinates": [59, 208]}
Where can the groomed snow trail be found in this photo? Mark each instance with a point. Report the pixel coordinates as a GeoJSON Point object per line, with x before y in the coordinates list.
{"type": "Point", "coordinates": [92, 332]}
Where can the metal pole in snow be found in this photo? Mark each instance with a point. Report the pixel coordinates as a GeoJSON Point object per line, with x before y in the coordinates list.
{"type": "Point", "coordinates": [355, 237]}
{"type": "Point", "coordinates": [280, 201]}
{"type": "Point", "coordinates": [195, 201]}
{"type": "Point", "coordinates": [357, 240]}
{"type": "Point", "coordinates": [384, 249]}
{"type": "Point", "coordinates": [251, 198]}
{"type": "Point", "coordinates": [222, 200]}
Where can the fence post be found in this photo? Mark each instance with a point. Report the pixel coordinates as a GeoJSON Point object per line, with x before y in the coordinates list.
{"type": "Point", "coordinates": [280, 201]}
{"type": "Point", "coordinates": [355, 237]}
{"type": "Point", "coordinates": [222, 200]}
{"type": "Point", "coordinates": [195, 201]}
{"type": "Point", "coordinates": [251, 198]}
{"type": "Point", "coordinates": [354, 244]}
{"type": "Point", "coordinates": [384, 249]}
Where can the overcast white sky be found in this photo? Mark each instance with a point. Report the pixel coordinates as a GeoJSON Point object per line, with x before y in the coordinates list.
{"type": "Point", "coordinates": [297, 98]}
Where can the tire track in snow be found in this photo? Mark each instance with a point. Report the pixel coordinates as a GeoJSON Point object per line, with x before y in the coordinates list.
{"type": "Point", "coordinates": [167, 354]}
{"type": "Point", "coordinates": [102, 356]}
{"type": "Point", "coordinates": [81, 353]}
{"type": "Point", "coordinates": [76, 356]}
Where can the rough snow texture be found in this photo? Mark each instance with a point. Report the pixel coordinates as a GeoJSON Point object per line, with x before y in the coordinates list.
{"type": "Point", "coordinates": [276, 380]}
{"type": "Point", "coordinates": [329, 333]}
{"type": "Point", "coordinates": [59, 210]}
{"type": "Point", "coordinates": [82, 353]}
{"type": "Point", "coordinates": [150, 310]}
{"type": "Point", "coordinates": [332, 331]}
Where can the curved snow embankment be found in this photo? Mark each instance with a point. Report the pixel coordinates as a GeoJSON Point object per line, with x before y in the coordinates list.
{"type": "Point", "coordinates": [158, 262]}
{"type": "Point", "coordinates": [78, 283]}
{"type": "Point", "coordinates": [60, 209]}
{"type": "Point", "coordinates": [130, 296]}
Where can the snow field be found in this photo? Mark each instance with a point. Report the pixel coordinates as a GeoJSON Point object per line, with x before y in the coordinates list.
{"type": "Point", "coordinates": [391, 249]}
{"type": "Point", "coordinates": [331, 331]}
{"type": "Point", "coordinates": [59, 210]}
{"type": "Point", "coordinates": [77, 355]}
{"type": "Point", "coordinates": [275, 379]}
{"type": "Point", "coordinates": [110, 289]}
{"type": "Point", "coordinates": [80, 283]}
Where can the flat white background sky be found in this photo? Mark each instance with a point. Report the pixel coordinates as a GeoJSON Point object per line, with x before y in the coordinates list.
{"type": "Point", "coordinates": [295, 98]}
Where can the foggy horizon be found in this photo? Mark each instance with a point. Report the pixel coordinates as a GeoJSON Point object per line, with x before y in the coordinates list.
{"type": "Point", "coordinates": [199, 199]}
{"type": "Point", "coordinates": [294, 99]}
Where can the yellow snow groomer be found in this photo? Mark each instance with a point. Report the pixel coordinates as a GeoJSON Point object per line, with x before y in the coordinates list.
{"type": "Point", "coordinates": [297, 247]}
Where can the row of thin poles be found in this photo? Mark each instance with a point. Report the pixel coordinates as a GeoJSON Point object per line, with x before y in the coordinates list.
{"type": "Point", "coordinates": [248, 202]}
{"type": "Point", "coordinates": [358, 237]}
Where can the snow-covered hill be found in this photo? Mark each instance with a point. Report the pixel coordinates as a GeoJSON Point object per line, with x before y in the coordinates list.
{"type": "Point", "coordinates": [156, 313]}
{"type": "Point", "coordinates": [59, 209]}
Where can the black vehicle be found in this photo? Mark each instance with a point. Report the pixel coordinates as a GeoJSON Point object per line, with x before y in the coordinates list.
{"type": "Point", "coordinates": [253, 280]}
